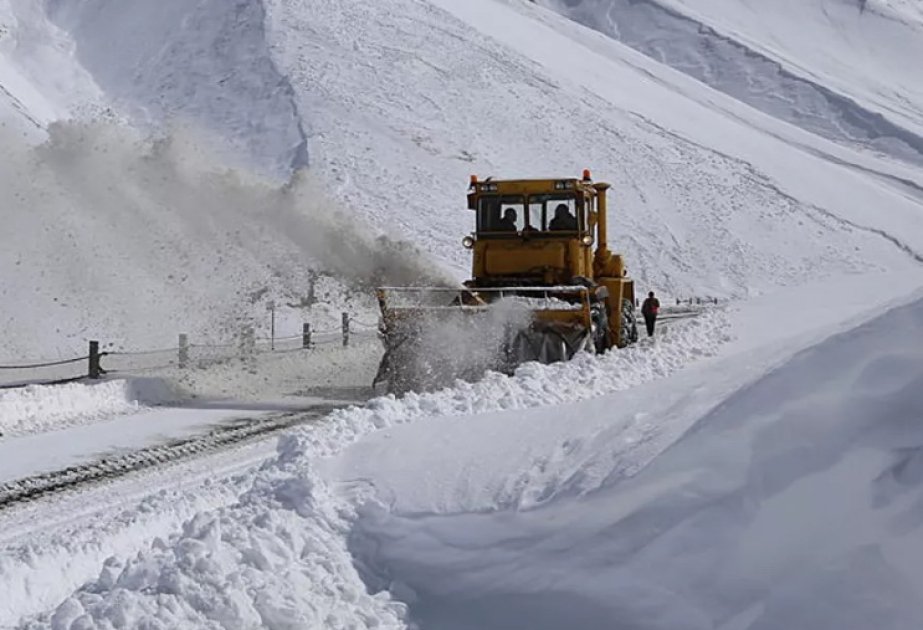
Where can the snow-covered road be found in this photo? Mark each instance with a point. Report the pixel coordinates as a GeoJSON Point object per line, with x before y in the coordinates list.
{"type": "Point", "coordinates": [55, 450]}
{"type": "Point", "coordinates": [291, 540]}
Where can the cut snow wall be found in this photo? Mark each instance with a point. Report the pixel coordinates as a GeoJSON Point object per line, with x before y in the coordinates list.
{"type": "Point", "coordinates": [207, 62]}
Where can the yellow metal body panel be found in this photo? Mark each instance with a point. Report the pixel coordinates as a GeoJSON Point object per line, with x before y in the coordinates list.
{"type": "Point", "coordinates": [619, 289]}
{"type": "Point", "coordinates": [557, 260]}
{"type": "Point", "coordinates": [551, 259]}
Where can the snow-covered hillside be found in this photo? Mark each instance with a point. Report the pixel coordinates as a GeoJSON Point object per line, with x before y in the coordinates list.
{"type": "Point", "coordinates": [399, 102]}
{"type": "Point", "coordinates": [39, 80]}
{"type": "Point", "coordinates": [844, 70]}
{"type": "Point", "coordinates": [207, 62]}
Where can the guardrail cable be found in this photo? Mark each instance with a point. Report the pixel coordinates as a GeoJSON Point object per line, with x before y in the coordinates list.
{"type": "Point", "coordinates": [32, 366]}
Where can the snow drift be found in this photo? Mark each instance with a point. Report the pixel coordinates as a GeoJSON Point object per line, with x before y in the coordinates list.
{"type": "Point", "coordinates": [797, 502]}
{"type": "Point", "coordinates": [38, 408]}
{"type": "Point", "coordinates": [278, 554]}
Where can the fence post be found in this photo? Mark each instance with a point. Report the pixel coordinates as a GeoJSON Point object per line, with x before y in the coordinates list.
{"type": "Point", "coordinates": [248, 348]}
{"type": "Point", "coordinates": [272, 325]}
{"type": "Point", "coordinates": [94, 369]}
{"type": "Point", "coordinates": [312, 283]}
{"type": "Point", "coordinates": [306, 335]}
{"type": "Point", "coordinates": [183, 358]}
{"type": "Point", "coordinates": [345, 329]}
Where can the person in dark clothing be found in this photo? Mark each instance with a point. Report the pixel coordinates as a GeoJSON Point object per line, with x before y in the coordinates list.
{"type": "Point", "coordinates": [508, 222]}
{"type": "Point", "coordinates": [650, 309]}
{"type": "Point", "coordinates": [563, 220]}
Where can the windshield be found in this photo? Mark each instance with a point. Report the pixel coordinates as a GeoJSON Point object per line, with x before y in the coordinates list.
{"type": "Point", "coordinates": [542, 213]}
{"type": "Point", "coordinates": [558, 213]}
{"type": "Point", "coordinates": [502, 214]}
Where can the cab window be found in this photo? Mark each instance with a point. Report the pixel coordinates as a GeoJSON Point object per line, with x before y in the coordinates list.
{"type": "Point", "coordinates": [502, 213]}
{"type": "Point", "coordinates": [555, 213]}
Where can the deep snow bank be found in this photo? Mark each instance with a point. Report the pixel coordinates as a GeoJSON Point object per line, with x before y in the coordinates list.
{"type": "Point", "coordinates": [278, 543]}
{"type": "Point", "coordinates": [795, 502]}
{"type": "Point", "coordinates": [279, 554]}
{"type": "Point", "coordinates": [39, 408]}
{"type": "Point", "coordinates": [499, 459]}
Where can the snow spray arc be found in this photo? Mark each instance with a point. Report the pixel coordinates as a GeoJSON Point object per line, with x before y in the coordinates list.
{"type": "Point", "coordinates": [113, 231]}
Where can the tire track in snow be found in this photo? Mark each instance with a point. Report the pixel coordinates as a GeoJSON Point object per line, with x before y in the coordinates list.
{"type": "Point", "coordinates": [30, 488]}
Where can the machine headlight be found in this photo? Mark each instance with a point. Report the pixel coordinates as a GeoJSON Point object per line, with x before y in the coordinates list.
{"type": "Point", "coordinates": [468, 242]}
{"type": "Point", "coordinates": [587, 240]}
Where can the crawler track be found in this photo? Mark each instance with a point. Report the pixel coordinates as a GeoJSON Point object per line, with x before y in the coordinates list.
{"type": "Point", "coordinates": [31, 488]}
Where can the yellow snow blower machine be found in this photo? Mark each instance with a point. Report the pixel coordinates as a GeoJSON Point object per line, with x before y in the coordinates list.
{"type": "Point", "coordinates": [544, 288]}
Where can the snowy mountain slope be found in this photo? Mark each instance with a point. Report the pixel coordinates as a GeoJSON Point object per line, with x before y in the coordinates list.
{"type": "Point", "coordinates": [39, 80]}
{"type": "Point", "coordinates": [208, 62]}
{"type": "Point", "coordinates": [708, 119]}
{"type": "Point", "coordinates": [711, 196]}
{"type": "Point", "coordinates": [908, 10]}
{"type": "Point", "coordinates": [864, 49]}
{"type": "Point", "coordinates": [647, 138]}
{"type": "Point", "coordinates": [838, 71]}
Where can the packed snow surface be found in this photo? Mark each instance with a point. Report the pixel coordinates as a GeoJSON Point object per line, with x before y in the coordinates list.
{"type": "Point", "coordinates": [107, 436]}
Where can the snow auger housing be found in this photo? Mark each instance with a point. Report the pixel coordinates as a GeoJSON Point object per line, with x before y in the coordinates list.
{"type": "Point", "coordinates": [544, 287]}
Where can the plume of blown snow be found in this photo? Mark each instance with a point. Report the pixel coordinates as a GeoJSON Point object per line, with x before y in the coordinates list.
{"type": "Point", "coordinates": [112, 234]}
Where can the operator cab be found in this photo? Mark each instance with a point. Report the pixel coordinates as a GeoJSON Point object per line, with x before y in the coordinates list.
{"type": "Point", "coordinates": [531, 209]}
{"type": "Point", "coordinates": [533, 215]}
{"type": "Point", "coordinates": [536, 231]}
